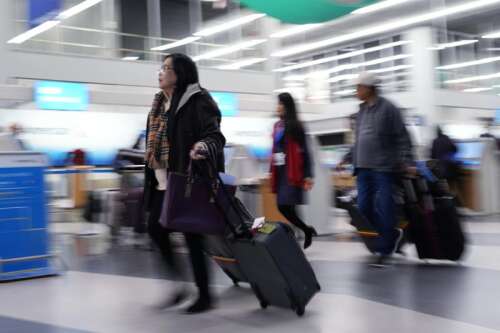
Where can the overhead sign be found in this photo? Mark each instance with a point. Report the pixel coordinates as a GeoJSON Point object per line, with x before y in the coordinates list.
{"type": "Point", "coordinates": [42, 10]}
{"type": "Point", "coordinates": [228, 103]}
{"type": "Point", "coordinates": [497, 117]}
{"type": "Point", "coordinates": [53, 95]}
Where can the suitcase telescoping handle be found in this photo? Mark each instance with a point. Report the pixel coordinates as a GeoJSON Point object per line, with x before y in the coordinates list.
{"type": "Point", "coordinates": [241, 230]}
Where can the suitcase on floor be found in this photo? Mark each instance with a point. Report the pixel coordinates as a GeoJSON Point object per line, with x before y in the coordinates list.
{"type": "Point", "coordinates": [112, 209]}
{"type": "Point", "coordinates": [435, 226]}
{"type": "Point", "coordinates": [220, 250]}
{"type": "Point", "coordinates": [134, 211]}
{"type": "Point", "coordinates": [276, 267]}
{"type": "Point", "coordinates": [365, 229]}
{"type": "Point", "coordinates": [269, 257]}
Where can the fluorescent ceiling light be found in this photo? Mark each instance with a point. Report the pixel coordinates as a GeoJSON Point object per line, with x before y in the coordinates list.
{"type": "Point", "coordinates": [19, 39]}
{"type": "Point", "coordinates": [492, 35]}
{"type": "Point", "coordinates": [130, 58]}
{"type": "Point", "coordinates": [391, 69]}
{"type": "Point", "coordinates": [378, 6]}
{"type": "Point", "coordinates": [229, 25]}
{"type": "Point", "coordinates": [347, 92]}
{"type": "Point", "coordinates": [343, 78]}
{"type": "Point", "coordinates": [84, 5]}
{"type": "Point", "coordinates": [72, 11]}
{"type": "Point", "coordinates": [294, 78]}
{"type": "Point", "coordinates": [393, 25]}
{"type": "Point", "coordinates": [341, 56]}
{"type": "Point", "coordinates": [493, 49]}
{"type": "Point", "coordinates": [242, 63]}
{"type": "Point", "coordinates": [178, 43]}
{"type": "Point", "coordinates": [474, 78]}
{"type": "Point", "coordinates": [229, 49]}
{"type": "Point", "coordinates": [287, 32]}
{"type": "Point", "coordinates": [471, 90]}
{"type": "Point", "coordinates": [470, 63]}
{"type": "Point", "coordinates": [361, 64]}
{"type": "Point", "coordinates": [345, 67]}
{"type": "Point", "coordinates": [454, 44]}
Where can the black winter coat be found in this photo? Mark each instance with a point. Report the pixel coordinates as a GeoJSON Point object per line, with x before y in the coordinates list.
{"type": "Point", "coordinates": [196, 119]}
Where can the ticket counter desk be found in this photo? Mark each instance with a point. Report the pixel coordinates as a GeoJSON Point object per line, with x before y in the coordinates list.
{"type": "Point", "coordinates": [479, 186]}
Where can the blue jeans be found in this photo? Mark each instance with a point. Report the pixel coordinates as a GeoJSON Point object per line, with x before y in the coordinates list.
{"type": "Point", "coordinates": [376, 203]}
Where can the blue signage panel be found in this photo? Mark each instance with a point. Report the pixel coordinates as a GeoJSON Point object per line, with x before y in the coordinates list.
{"type": "Point", "coordinates": [53, 95]}
{"type": "Point", "coordinates": [24, 234]}
{"type": "Point", "coordinates": [228, 103]}
{"type": "Point", "coordinates": [497, 117]}
{"type": "Point", "coordinates": [42, 10]}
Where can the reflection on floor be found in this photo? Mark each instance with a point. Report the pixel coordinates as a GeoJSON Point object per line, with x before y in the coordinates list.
{"type": "Point", "coordinates": [116, 292]}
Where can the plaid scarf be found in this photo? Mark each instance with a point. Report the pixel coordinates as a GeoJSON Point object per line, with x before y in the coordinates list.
{"type": "Point", "coordinates": [158, 147]}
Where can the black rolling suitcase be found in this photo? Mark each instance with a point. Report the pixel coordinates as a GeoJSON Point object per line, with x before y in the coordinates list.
{"type": "Point", "coordinates": [277, 268]}
{"type": "Point", "coordinates": [220, 250]}
{"type": "Point", "coordinates": [270, 259]}
{"type": "Point", "coordinates": [435, 226]}
{"type": "Point", "coordinates": [364, 228]}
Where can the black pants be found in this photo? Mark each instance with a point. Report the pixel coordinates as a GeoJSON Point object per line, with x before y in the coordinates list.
{"type": "Point", "coordinates": [161, 237]}
{"type": "Point", "coordinates": [290, 212]}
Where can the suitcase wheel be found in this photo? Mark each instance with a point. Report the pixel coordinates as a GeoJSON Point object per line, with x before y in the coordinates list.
{"type": "Point", "coordinates": [300, 311]}
{"type": "Point", "coordinates": [264, 304]}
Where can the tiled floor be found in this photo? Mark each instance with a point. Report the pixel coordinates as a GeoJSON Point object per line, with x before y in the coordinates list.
{"type": "Point", "coordinates": [116, 292]}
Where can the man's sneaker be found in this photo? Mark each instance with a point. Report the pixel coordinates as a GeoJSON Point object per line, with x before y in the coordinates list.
{"type": "Point", "coordinates": [399, 238]}
{"type": "Point", "coordinates": [381, 261]}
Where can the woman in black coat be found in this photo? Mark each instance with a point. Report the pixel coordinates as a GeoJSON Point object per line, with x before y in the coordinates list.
{"type": "Point", "coordinates": [183, 122]}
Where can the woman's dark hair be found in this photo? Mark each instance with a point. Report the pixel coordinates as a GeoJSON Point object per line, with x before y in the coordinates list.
{"type": "Point", "coordinates": [187, 73]}
{"type": "Point", "coordinates": [293, 126]}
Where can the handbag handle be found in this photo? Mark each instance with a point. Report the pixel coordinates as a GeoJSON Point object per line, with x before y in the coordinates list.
{"type": "Point", "coordinates": [242, 229]}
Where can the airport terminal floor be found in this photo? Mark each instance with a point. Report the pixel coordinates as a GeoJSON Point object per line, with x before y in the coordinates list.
{"type": "Point", "coordinates": [118, 291]}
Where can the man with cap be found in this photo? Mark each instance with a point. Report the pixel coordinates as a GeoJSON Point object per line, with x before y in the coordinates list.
{"type": "Point", "coordinates": [382, 149]}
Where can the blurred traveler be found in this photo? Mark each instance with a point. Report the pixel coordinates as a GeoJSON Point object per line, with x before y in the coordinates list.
{"type": "Point", "coordinates": [444, 150]}
{"type": "Point", "coordinates": [489, 135]}
{"type": "Point", "coordinates": [382, 149]}
{"type": "Point", "coordinates": [291, 166]}
{"type": "Point", "coordinates": [183, 120]}
{"type": "Point", "coordinates": [15, 132]}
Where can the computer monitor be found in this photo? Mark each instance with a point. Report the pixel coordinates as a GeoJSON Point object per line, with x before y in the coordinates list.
{"type": "Point", "coordinates": [470, 152]}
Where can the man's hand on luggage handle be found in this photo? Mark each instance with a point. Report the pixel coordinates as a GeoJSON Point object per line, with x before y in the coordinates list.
{"type": "Point", "coordinates": [308, 184]}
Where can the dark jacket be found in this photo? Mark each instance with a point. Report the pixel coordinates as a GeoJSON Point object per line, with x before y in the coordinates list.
{"type": "Point", "coordinates": [443, 150]}
{"type": "Point", "coordinates": [391, 133]}
{"type": "Point", "coordinates": [196, 119]}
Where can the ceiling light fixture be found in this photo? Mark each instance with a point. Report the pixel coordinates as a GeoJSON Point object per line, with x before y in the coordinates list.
{"type": "Point", "coordinates": [229, 49]}
{"type": "Point", "coordinates": [291, 31]}
{"type": "Point", "coordinates": [492, 35]}
{"type": "Point", "coordinates": [19, 39]}
{"type": "Point", "coordinates": [47, 25]}
{"type": "Point", "coordinates": [393, 25]}
{"type": "Point", "coordinates": [242, 63]}
{"type": "Point", "coordinates": [228, 25]}
{"type": "Point", "coordinates": [379, 6]}
{"type": "Point", "coordinates": [469, 63]}
{"type": "Point", "coordinates": [454, 44]}
{"type": "Point", "coordinates": [474, 78]}
{"type": "Point", "coordinates": [472, 90]}
{"type": "Point", "coordinates": [342, 56]}
{"type": "Point", "coordinates": [130, 58]}
{"type": "Point", "coordinates": [178, 43]}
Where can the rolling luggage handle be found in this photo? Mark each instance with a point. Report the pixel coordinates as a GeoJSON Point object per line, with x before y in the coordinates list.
{"type": "Point", "coordinates": [242, 229]}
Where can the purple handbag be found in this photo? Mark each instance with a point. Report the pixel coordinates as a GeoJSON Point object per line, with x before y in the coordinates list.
{"type": "Point", "coordinates": [189, 205]}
